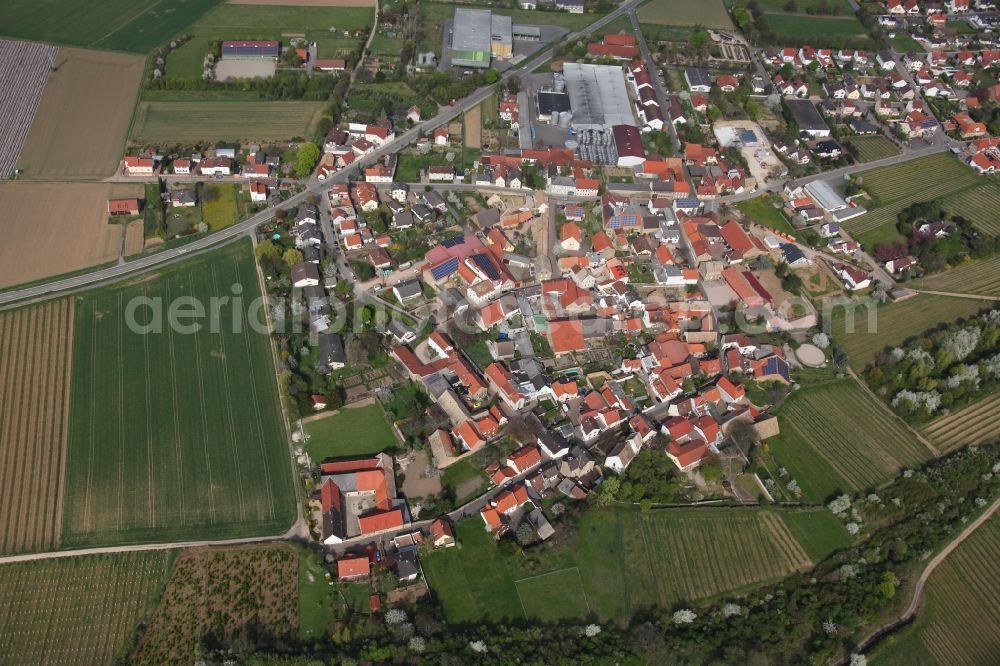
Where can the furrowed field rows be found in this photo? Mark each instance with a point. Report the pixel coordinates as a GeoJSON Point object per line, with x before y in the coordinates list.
{"type": "Point", "coordinates": [175, 434]}
{"type": "Point", "coordinates": [887, 214]}
{"type": "Point", "coordinates": [35, 344]}
{"type": "Point", "coordinates": [76, 610]}
{"type": "Point", "coordinates": [980, 205]}
{"type": "Point", "coordinates": [872, 148]}
{"type": "Point", "coordinates": [976, 423]}
{"type": "Point", "coordinates": [977, 277]}
{"type": "Point", "coordinates": [959, 622]}
{"type": "Point", "coordinates": [852, 432]}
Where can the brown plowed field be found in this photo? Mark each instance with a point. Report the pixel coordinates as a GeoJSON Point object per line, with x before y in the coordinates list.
{"type": "Point", "coordinates": [49, 229]}
{"type": "Point", "coordinates": [35, 347]}
{"type": "Point", "coordinates": [80, 128]}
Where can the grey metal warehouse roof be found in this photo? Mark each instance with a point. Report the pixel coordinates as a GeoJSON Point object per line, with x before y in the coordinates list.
{"type": "Point", "coordinates": [598, 95]}
{"type": "Point", "coordinates": [472, 30]}
{"type": "Point", "coordinates": [807, 115]}
{"type": "Point", "coordinates": [501, 29]}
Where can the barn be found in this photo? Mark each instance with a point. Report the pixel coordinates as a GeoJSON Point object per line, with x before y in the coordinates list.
{"type": "Point", "coordinates": [251, 50]}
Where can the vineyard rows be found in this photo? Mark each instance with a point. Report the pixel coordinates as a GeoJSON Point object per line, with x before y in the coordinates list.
{"type": "Point", "coordinates": [973, 424]}
{"type": "Point", "coordinates": [75, 610]}
{"type": "Point", "coordinates": [35, 345]}
{"type": "Point", "coordinates": [978, 277]}
{"type": "Point", "coordinates": [24, 69]}
{"type": "Point", "coordinates": [980, 205]}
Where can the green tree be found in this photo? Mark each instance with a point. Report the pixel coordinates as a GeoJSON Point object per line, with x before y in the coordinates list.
{"type": "Point", "coordinates": [266, 251]}
{"type": "Point", "coordinates": [609, 491]}
{"type": "Point", "coordinates": [491, 76]}
{"type": "Point", "coordinates": [307, 158]}
{"type": "Point", "coordinates": [292, 257]}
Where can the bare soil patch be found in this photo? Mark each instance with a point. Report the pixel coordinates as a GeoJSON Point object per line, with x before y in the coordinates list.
{"type": "Point", "coordinates": [474, 128]}
{"type": "Point", "coordinates": [134, 238]}
{"type": "Point", "coordinates": [55, 228]}
{"type": "Point", "coordinates": [35, 353]}
{"type": "Point", "coordinates": [417, 483]}
{"type": "Point", "coordinates": [80, 128]}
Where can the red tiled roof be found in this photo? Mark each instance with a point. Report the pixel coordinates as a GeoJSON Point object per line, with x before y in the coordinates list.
{"type": "Point", "coordinates": [381, 520]}
{"type": "Point", "coordinates": [352, 566]}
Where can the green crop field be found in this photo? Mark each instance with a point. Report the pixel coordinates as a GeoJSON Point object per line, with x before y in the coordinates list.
{"type": "Point", "coordinates": [710, 14]}
{"type": "Point", "coordinates": [223, 121]}
{"type": "Point", "coordinates": [323, 25]}
{"type": "Point", "coordinates": [77, 610]}
{"type": "Point", "coordinates": [835, 437]}
{"type": "Point", "coordinates": [980, 205]}
{"type": "Point", "coordinates": [895, 187]}
{"type": "Point", "coordinates": [802, 6]}
{"type": "Point", "coordinates": [353, 431]}
{"type": "Point", "coordinates": [980, 277]}
{"type": "Point", "coordinates": [871, 148]}
{"type": "Point", "coordinates": [871, 331]}
{"type": "Point", "coordinates": [623, 561]}
{"type": "Point", "coordinates": [119, 25]}
{"type": "Point", "coordinates": [959, 622]}
{"type": "Point", "coordinates": [175, 434]}
{"type": "Point", "coordinates": [788, 26]}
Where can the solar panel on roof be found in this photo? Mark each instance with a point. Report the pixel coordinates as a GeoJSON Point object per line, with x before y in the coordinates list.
{"type": "Point", "coordinates": [445, 269]}
{"type": "Point", "coordinates": [453, 241]}
{"type": "Point", "coordinates": [486, 266]}
{"type": "Point", "coordinates": [776, 366]}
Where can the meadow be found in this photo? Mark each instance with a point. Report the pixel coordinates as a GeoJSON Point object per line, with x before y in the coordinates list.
{"type": "Point", "coordinates": [843, 6]}
{"type": "Point", "coordinates": [175, 434]}
{"type": "Point", "coordinates": [77, 610]}
{"type": "Point", "coordinates": [622, 561]}
{"type": "Point", "coordinates": [981, 277]}
{"type": "Point", "coordinates": [101, 89]}
{"type": "Point", "coordinates": [872, 148]}
{"type": "Point", "coordinates": [323, 25]}
{"type": "Point", "coordinates": [895, 322]}
{"type": "Point", "coordinates": [835, 437]}
{"type": "Point", "coordinates": [815, 28]}
{"type": "Point", "coordinates": [959, 622]}
{"type": "Point", "coordinates": [118, 25]}
{"type": "Point", "coordinates": [760, 210]}
{"type": "Point", "coordinates": [220, 205]}
{"type": "Point", "coordinates": [208, 121]}
{"type": "Point", "coordinates": [352, 431]}
{"type": "Point", "coordinates": [710, 14]}
{"type": "Point", "coordinates": [229, 594]}
{"type": "Point", "coordinates": [973, 424]}
{"type": "Point", "coordinates": [35, 344]}
{"type": "Point", "coordinates": [893, 188]}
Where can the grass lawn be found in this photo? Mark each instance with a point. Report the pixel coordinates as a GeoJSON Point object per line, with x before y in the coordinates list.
{"type": "Point", "coordinates": [877, 147]}
{"type": "Point", "coordinates": [709, 14]}
{"type": "Point", "coordinates": [323, 25]}
{"type": "Point", "coordinates": [350, 432]}
{"type": "Point", "coordinates": [205, 121]}
{"type": "Point", "coordinates": [119, 25]}
{"type": "Point", "coordinates": [815, 28]}
{"type": "Point", "coordinates": [554, 596]}
{"type": "Point", "coordinates": [818, 531]}
{"type": "Point", "coordinates": [835, 437]}
{"type": "Point", "coordinates": [843, 6]}
{"type": "Point", "coordinates": [174, 434]}
{"type": "Point", "coordinates": [762, 212]}
{"type": "Point", "coordinates": [318, 599]}
{"type": "Point", "coordinates": [654, 33]}
{"type": "Point", "coordinates": [903, 43]}
{"type": "Point", "coordinates": [219, 207]}
{"type": "Point", "coordinates": [462, 473]}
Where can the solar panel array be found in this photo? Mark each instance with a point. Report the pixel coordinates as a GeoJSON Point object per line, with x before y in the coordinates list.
{"type": "Point", "coordinates": [445, 268]}
{"type": "Point", "coordinates": [776, 366]}
{"type": "Point", "coordinates": [486, 265]}
{"type": "Point", "coordinates": [453, 241]}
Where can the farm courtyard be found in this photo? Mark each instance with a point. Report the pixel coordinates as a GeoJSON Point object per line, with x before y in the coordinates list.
{"type": "Point", "coordinates": [174, 433]}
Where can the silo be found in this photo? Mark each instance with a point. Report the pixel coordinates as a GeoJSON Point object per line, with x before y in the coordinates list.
{"type": "Point", "coordinates": [558, 82]}
{"type": "Point", "coordinates": [565, 119]}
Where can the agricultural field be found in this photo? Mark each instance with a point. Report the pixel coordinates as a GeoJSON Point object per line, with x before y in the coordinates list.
{"type": "Point", "coordinates": [473, 127]}
{"type": "Point", "coordinates": [175, 433]}
{"type": "Point", "coordinates": [843, 6]}
{"type": "Point", "coordinates": [208, 121]}
{"type": "Point", "coordinates": [980, 205]}
{"type": "Point", "coordinates": [872, 148]}
{"type": "Point", "coordinates": [77, 610]}
{"type": "Point", "coordinates": [352, 431]}
{"type": "Point", "coordinates": [24, 69]}
{"type": "Point", "coordinates": [74, 213]}
{"type": "Point", "coordinates": [895, 322]}
{"type": "Point", "coordinates": [228, 593]}
{"type": "Point", "coordinates": [815, 28]}
{"type": "Point", "coordinates": [893, 188]}
{"type": "Point", "coordinates": [118, 25]}
{"type": "Point", "coordinates": [35, 344]}
{"type": "Point", "coordinates": [323, 25]}
{"type": "Point", "coordinates": [622, 561]}
{"type": "Point", "coordinates": [836, 437]}
{"type": "Point", "coordinates": [981, 277]}
{"type": "Point", "coordinates": [710, 14]}
{"type": "Point", "coordinates": [973, 424]}
{"type": "Point", "coordinates": [959, 622]}
{"type": "Point", "coordinates": [88, 143]}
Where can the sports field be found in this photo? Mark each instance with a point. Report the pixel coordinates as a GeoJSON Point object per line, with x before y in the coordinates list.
{"type": "Point", "coordinates": [981, 277]}
{"type": "Point", "coordinates": [895, 322]}
{"type": "Point", "coordinates": [895, 187]}
{"type": "Point", "coordinates": [49, 229]}
{"type": "Point", "coordinates": [872, 148]}
{"type": "Point", "coordinates": [835, 437]}
{"type": "Point", "coordinates": [175, 434]}
{"type": "Point", "coordinates": [324, 25]}
{"type": "Point", "coordinates": [622, 561]}
{"type": "Point", "coordinates": [974, 424]}
{"type": "Point", "coordinates": [710, 13]}
{"type": "Point", "coordinates": [224, 121]}
{"type": "Point", "coordinates": [959, 623]}
{"type": "Point", "coordinates": [118, 25]}
{"type": "Point", "coordinates": [100, 90]}
{"type": "Point", "coordinates": [35, 344]}
{"type": "Point", "coordinates": [76, 610]}
{"type": "Point", "coordinates": [352, 431]}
